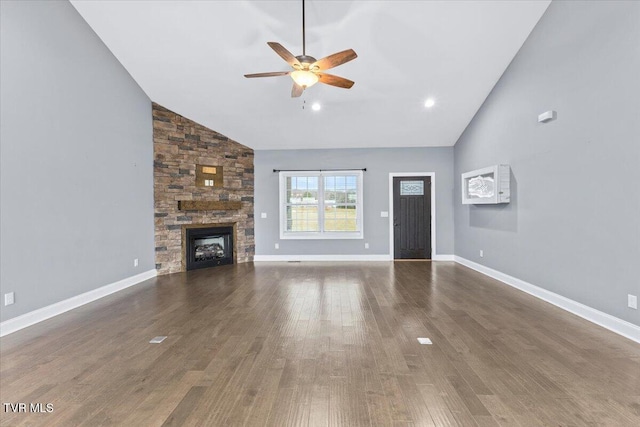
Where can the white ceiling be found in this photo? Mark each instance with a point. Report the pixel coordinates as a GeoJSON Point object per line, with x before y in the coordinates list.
{"type": "Point", "coordinates": [190, 56]}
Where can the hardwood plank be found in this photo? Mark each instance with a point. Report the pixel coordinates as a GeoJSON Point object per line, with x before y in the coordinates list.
{"type": "Point", "coordinates": [377, 404]}
{"type": "Point", "coordinates": [265, 399]}
{"type": "Point", "coordinates": [162, 402]}
{"type": "Point", "coordinates": [185, 408]}
{"type": "Point", "coordinates": [321, 344]}
{"type": "Point", "coordinates": [440, 412]}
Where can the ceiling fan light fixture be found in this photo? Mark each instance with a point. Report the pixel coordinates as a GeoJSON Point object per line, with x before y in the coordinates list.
{"type": "Point", "coordinates": [304, 78]}
{"type": "Point", "coordinates": [308, 71]}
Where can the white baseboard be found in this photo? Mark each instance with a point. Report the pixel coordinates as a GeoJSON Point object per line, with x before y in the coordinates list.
{"type": "Point", "coordinates": [44, 313]}
{"type": "Point", "coordinates": [384, 257]}
{"type": "Point", "coordinates": [261, 258]}
{"type": "Point", "coordinates": [614, 324]}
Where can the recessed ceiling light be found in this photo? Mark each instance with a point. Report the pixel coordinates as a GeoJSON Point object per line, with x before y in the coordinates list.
{"type": "Point", "coordinates": [316, 106]}
{"type": "Point", "coordinates": [430, 102]}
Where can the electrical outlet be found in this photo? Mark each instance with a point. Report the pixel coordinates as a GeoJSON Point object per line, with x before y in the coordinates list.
{"type": "Point", "coordinates": [263, 215]}
{"type": "Point", "coordinates": [135, 262]}
{"type": "Point", "coordinates": [481, 253]}
{"type": "Point", "coordinates": [366, 246]}
{"type": "Point", "coordinates": [9, 298]}
{"type": "Point", "coordinates": [277, 245]}
{"type": "Point", "coordinates": [632, 301]}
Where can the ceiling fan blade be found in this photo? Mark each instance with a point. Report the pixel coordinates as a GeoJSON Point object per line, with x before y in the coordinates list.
{"type": "Point", "coordinates": [296, 90]}
{"type": "Point", "coordinates": [284, 54]}
{"type": "Point", "coordinates": [330, 79]}
{"type": "Point", "coordinates": [274, 74]}
{"type": "Point", "coordinates": [334, 60]}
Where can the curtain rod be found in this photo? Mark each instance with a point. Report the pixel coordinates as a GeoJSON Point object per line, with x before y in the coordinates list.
{"type": "Point", "coordinates": [318, 170]}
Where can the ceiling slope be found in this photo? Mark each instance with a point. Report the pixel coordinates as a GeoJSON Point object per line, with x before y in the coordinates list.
{"type": "Point", "coordinates": [190, 56]}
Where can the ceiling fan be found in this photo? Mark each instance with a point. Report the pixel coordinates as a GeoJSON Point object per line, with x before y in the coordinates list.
{"type": "Point", "coordinates": [307, 71]}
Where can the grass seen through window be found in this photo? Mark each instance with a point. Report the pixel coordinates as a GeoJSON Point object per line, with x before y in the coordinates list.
{"type": "Point", "coordinates": [336, 218]}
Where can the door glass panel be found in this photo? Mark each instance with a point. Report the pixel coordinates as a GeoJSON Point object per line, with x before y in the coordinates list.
{"type": "Point", "coordinates": [411, 188]}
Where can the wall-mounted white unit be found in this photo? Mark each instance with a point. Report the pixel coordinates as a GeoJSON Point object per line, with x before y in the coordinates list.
{"type": "Point", "coordinates": [486, 186]}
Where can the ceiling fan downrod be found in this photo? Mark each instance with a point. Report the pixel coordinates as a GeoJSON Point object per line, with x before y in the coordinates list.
{"type": "Point", "coordinates": [304, 59]}
{"type": "Point", "coordinates": [304, 39]}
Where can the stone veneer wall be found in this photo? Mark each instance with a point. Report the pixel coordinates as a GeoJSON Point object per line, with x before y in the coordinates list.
{"type": "Point", "coordinates": [178, 145]}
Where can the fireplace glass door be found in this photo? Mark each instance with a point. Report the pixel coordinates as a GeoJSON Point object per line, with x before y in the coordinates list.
{"type": "Point", "coordinates": [209, 247]}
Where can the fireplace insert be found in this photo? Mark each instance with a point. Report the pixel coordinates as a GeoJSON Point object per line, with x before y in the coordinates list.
{"type": "Point", "coordinates": [209, 247]}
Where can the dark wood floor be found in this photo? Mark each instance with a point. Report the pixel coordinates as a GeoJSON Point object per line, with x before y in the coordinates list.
{"type": "Point", "coordinates": [319, 344]}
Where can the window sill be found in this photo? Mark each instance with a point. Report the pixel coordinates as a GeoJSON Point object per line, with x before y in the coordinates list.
{"type": "Point", "coordinates": [321, 236]}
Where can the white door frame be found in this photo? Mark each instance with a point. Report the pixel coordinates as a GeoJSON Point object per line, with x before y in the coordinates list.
{"type": "Point", "coordinates": [432, 175]}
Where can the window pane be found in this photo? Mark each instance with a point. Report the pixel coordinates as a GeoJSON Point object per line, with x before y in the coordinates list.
{"type": "Point", "coordinates": [351, 185]}
{"type": "Point", "coordinates": [302, 189]}
{"type": "Point", "coordinates": [340, 218]}
{"type": "Point", "coordinates": [340, 198]}
{"type": "Point", "coordinates": [302, 204]}
{"type": "Point", "coordinates": [341, 189]}
{"type": "Point", "coordinates": [302, 218]}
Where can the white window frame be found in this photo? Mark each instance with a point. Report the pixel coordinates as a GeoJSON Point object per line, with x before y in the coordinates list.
{"type": "Point", "coordinates": [321, 234]}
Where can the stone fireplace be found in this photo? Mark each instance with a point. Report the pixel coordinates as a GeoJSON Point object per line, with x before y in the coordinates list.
{"type": "Point", "coordinates": [181, 147]}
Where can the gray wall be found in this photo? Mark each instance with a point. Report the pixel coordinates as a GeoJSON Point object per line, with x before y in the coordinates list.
{"type": "Point", "coordinates": [573, 226]}
{"type": "Point", "coordinates": [76, 159]}
{"type": "Point", "coordinates": [379, 163]}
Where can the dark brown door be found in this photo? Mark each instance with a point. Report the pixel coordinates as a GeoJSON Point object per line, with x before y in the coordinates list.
{"type": "Point", "coordinates": [412, 217]}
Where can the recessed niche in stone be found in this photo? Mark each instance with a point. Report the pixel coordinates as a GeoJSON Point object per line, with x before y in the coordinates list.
{"type": "Point", "coordinates": [209, 176]}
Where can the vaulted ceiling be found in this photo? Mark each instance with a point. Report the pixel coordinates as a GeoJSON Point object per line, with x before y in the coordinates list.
{"type": "Point", "coordinates": [190, 56]}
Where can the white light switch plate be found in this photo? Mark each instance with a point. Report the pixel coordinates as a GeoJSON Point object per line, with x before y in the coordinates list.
{"type": "Point", "coordinates": [263, 215]}
{"type": "Point", "coordinates": [384, 214]}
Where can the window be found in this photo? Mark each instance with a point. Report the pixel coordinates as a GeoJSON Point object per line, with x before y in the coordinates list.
{"type": "Point", "coordinates": [321, 205]}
